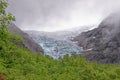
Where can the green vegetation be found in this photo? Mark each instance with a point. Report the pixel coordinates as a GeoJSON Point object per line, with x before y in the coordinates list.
{"type": "Point", "coordinates": [18, 63]}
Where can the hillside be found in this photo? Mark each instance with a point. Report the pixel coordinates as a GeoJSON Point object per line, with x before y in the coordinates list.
{"type": "Point", "coordinates": [29, 42]}
{"type": "Point", "coordinates": [103, 43]}
{"type": "Point", "coordinates": [18, 63]}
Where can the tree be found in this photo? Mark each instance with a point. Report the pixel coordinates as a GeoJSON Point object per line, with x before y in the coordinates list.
{"type": "Point", "coordinates": [5, 19]}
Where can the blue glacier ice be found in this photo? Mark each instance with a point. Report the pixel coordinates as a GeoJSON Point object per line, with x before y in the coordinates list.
{"type": "Point", "coordinates": [55, 48]}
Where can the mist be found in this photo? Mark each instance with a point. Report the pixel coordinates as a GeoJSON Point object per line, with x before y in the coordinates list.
{"type": "Point", "coordinates": [56, 15]}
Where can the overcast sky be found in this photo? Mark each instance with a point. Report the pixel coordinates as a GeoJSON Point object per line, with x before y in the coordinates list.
{"type": "Point", "coordinates": [54, 15]}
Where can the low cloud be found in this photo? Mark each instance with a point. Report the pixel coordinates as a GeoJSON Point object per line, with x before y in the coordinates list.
{"type": "Point", "coordinates": [55, 15]}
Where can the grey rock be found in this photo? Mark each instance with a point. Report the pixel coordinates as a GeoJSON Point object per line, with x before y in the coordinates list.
{"type": "Point", "coordinates": [29, 42]}
{"type": "Point", "coordinates": [104, 41]}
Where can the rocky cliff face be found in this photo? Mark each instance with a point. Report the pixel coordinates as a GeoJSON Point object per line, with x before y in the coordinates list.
{"type": "Point", "coordinates": [102, 44]}
{"type": "Point", "coordinates": [29, 42]}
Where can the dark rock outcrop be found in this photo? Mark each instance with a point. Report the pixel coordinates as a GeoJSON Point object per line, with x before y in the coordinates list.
{"type": "Point", "coordinates": [102, 44]}
{"type": "Point", "coordinates": [29, 42]}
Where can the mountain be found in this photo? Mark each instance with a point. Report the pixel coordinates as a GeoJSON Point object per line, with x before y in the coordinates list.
{"type": "Point", "coordinates": [29, 42]}
{"type": "Point", "coordinates": [102, 44]}
{"type": "Point", "coordinates": [18, 63]}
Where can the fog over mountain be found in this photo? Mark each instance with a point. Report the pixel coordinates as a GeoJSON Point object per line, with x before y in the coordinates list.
{"type": "Point", "coordinates": [54, 15]}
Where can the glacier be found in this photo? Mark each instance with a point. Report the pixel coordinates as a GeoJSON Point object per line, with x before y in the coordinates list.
{"type": "Point", "coordinates": [54, 44]}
